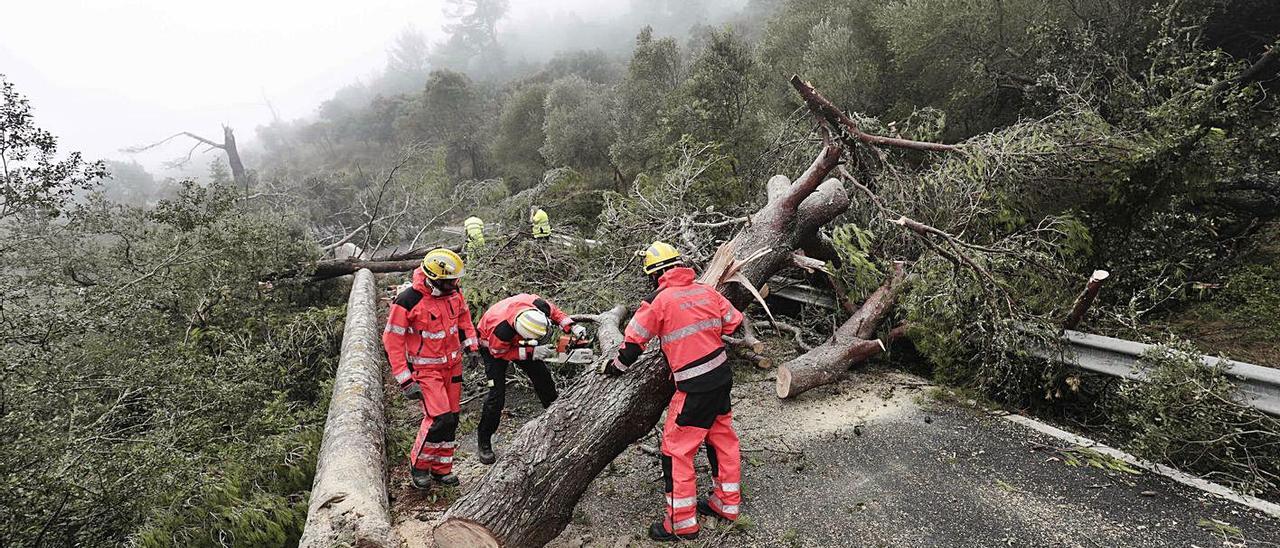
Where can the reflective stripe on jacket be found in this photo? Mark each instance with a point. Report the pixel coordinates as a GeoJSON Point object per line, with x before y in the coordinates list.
{"type": "Point", "coordinates": [497, 325]}
{"type": "Point", "coordinates": [425, 330]}
{"type": "Point", "coordinates": [688, 319]}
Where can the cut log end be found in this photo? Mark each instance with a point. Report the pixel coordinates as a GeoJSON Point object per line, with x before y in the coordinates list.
{"type": "Point", "coordinates": [463, 533]}
{"type": "Point", "coordinates": [1099, 275]}
{"type": "Point", "coordinates": [783, 386]}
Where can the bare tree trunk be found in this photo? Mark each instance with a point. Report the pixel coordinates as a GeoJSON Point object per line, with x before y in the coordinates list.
{"type": "Point", "coordinates": [1085, 300]}
{"type": "Point", "coordinates": [238, 172]}
{"type": "Point", "coordinates": [528, 496]}
{"type": "Point", "coordinates": [852, 343]}
{"type": "Point", "coordinates": [349, 496]}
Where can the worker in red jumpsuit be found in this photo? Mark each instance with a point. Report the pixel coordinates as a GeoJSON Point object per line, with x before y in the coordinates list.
{"type": "Point", "coordinates": [517, 329]}
{"type": "Point", "coordinates": [689, 319]}
{"type": "Point", "coordinates": [428, 327]}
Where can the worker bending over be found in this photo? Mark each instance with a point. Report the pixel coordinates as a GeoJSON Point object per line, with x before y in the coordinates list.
{"type": "Point", "coordinates": [474, 227]}
{"type": "Point", "coordinates": [517, 329]}
{"type": "Point", "coordinates": [428, 327]}
{"type": "Point", "coordinates": [539, 223]}
{"type": "Point", "coordinates": [689, 318]}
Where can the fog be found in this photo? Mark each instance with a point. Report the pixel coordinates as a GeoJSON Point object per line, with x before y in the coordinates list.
{"type": "Point", "coordinates": [103, 76]}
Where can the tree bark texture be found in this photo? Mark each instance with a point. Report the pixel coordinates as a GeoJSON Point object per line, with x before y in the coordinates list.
{"type": "Point", "coordinates": [527, 497]}
{"type": "Point", "coordinates": [342, 267]}
{"type": "Point", "coordinates": [853, 342]}
{"type": "Point", "coordinates": [349, 504]}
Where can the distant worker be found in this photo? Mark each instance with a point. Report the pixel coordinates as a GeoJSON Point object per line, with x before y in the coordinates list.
{"type": "Point", "coordinates": [517, 329]}
{"type": "Point", "coordinates": [474, 228]}
{"type": "Point", "coordinates": [540, 224]}
{"type": "Point", "coordinates": [428, 327]}
{"type": "Point", "coordinates": [689, 318]}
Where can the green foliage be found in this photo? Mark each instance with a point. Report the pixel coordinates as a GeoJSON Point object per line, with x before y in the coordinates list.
{"type": "Point", "coordinates": [577, 125]}
{"type": "Point", "coordinates": [520, 137]}
{"type": "Point", "coordinates": [719, 100]}
{"type": "Point", "coordinates": [653, 75]}
{"type": "Point", "coordinates": [854, 246]}
{"type": "Point", "coordinates": [167, 398]}
{"type": "Point", "coordinates": [1087, 456]}
{"type": "Point", "coordinates": [1187, 414]}
{"type": "Point", "coordinates": [33, 178]}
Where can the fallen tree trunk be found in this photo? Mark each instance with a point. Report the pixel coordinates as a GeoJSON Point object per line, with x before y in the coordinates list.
{"type": "Point", "coordinates": [528, 496]}
{"type": "Point", "coordinates": [608, 328]}
{"type": "Point", "coordinates": [332, 269]}
{"type": "Point", "coordinates": [349, 496]}
{"type": "Point", "coordinates": [853, 342]}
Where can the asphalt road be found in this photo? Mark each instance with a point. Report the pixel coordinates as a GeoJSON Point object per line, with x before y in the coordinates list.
{"type": "Point", "coordinates": [876, 461]}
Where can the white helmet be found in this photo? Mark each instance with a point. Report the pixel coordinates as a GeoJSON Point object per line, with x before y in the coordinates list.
{"type": "Point", "coordinates": [532, 324]}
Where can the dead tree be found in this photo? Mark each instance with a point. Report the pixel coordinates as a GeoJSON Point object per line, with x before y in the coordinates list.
{"type": "Point", "coordinates": [528, 496]}
{"type": "Point", "coordinates": [852, 343]}
{"type": "Point", "coordinates": [349, 496]}
{"type": "Point", "coordinates": [227, 146]}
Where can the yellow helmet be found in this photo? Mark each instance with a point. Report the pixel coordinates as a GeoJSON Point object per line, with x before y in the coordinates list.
{"type": "Point", "coordinates": [473, 222]}
{"type": "Point", "coordinates": [442, 264]}
{"type": "Point", "coordinates": [658, 256]}
{"type": "Point", "coordinates": [532, 324]}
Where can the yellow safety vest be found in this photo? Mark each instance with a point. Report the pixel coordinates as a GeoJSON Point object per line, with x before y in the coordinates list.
{"type": "Point", "coordinates": [475, 232]}
{"type": "Point", "coordinates": [541, 224]}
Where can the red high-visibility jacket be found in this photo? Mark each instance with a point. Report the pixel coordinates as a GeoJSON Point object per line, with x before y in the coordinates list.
{"type": "Point", "coordinates": [689, 318]}
{"type": "Point", "coordinates": [497, 325]}
{"type": "Point", "coordinates": [427, 331]}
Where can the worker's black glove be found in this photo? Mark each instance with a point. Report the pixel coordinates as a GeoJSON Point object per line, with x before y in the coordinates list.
{"type": "Point", "coordinates": [611, 368]}
{"type": "Point", "coordinates": [411, 390]}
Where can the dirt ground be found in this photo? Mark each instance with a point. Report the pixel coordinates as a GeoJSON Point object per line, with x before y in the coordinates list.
{"type": "Point", "coordinates": [875, 460]}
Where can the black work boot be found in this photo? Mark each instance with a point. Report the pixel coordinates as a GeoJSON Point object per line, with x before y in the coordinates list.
{"type": "Point", "coordinates": [445, 479]}
{"type": "Point", "coordinates": [486, 451]}
{"type": "Point", "coordinates": [421, 478]}
{"type": "Point", "coordinates": [659, 533]}
{"type": "Point", "coordinates": [705, 509]}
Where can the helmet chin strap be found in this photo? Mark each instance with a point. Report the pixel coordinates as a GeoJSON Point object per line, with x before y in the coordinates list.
{"type": "Point", "coordinates": [439, 289]}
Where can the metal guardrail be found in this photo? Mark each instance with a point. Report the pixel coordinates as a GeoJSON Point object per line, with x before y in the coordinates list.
{"type": "Point", "coordinates": [795, 290]}
{"type": "Point", "coordinates": [1259, 387]}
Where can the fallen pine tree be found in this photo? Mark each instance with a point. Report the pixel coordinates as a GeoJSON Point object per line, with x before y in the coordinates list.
{"type": "Point", "coordinates": [528, 496]}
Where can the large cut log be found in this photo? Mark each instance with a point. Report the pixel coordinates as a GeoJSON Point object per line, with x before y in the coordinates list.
{"type": "Point", "coordinates": [528, 496]}
{"type": "Point", "coordinates": [852, 343]}
{"type": "Point", "coordinates": [348, 504]}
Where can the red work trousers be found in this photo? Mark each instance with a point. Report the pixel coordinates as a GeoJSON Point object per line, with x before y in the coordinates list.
{"type": "Point", "coordinates": [695, 419]}
{"type": "Point", "coordinates": [441, 398]}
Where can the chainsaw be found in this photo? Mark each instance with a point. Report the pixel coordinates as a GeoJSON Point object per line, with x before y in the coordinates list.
{"type": "Point", "coordinates": [570, 349]}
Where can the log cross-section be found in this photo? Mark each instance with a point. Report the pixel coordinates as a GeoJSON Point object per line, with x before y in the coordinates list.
{"type": "Point", "coordinates": [528, 496]}
{"type": "Point", "coordinates": [349, 504]}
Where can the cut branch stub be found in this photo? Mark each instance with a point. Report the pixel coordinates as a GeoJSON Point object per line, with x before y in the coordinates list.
{"type": "Point", "coordinates": [852, 343]}
{"type": "Point", "coordinates": [1085, 300]}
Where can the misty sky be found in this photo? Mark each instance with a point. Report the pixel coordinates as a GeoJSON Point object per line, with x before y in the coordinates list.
{"type": "Point", "coordinates": [106, 74]}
